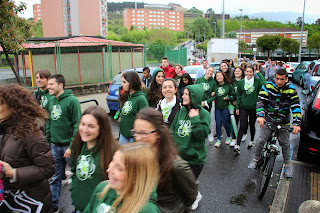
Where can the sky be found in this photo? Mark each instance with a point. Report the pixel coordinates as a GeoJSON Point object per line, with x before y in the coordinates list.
{"type": "Point", "coordinates": [232, 7]}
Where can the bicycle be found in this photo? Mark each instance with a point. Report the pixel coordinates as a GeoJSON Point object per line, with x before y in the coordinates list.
{"type": "Point", "coordinates": [267, 159]}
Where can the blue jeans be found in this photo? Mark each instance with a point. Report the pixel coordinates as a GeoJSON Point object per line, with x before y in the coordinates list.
{"type": "Point", "coordinates": [60, 164]}
{"type": "Point", "coordinates": [222, 116]}
{"type": "Point", "coordinates": [124, 140]}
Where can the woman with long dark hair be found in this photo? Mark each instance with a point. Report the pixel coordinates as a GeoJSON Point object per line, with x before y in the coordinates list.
{"type": "Point", "coordinates": [185, 81]}
{"type": "Point", "coordinates": [131, 102]}
{"type": "Point", "coordinates": [177, 188]}
{"type": "Point", "coordinates": [92, 150]}
{"type": "Point", "coordinates": [224, 67]}
{"type": "Point", "coordinates": [25, 154]}
{"type": "Point", "coordinates": [223, 94]}
{"type": "Point", "coordinates": [153, 92]}
{"type": "Point", "coordinates": [247, 96]}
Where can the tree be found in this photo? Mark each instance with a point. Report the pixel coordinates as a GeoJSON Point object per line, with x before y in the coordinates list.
{"type": "Point", "coordinates": [37, 29]}
{"type": "Point", "coordinates": [299, 21]}
{"type": "Point", "coordinates": [268, 42]}
{"type": "Point", "coordinates": [213, 21]}
{"type": "Point", "coordinates": [314, 43]}
{"type": "Point", "coordinates": [194, 10]}
{"type": "Point", "coordinates": [200, 28]}
{"type": "Point", "coordinates": [13, 29]}
{"type": "Point", "coordinates": [242, 46]}
{"type": "Point", "coordinates": [289, 45]}
{"type": "Point", "coordinates": [231, 35]}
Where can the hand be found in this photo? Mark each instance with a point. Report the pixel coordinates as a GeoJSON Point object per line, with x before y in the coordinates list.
{"type": "Point", "coordinates": [237, 112]}
{"type": "Point", "coordinates": [261, 121]}
{"type": "Point", "coordinates": [193, 113]}
{"type": "Point", "coordinates": [202, 103]}
{"type": "Point", "coordinates": [234, 103]}
{"type": "Point", "coordinates": [67, 154]}
{"type": "Point", "coordinates": [7, 168]}
{"type": "Point", "coordinates": [296, 129]}
{"type": "Point", "coordinates": [266, 79]}
{"type": "Point", "coordinates": [257, 71]}
{"type": "Point", "coordinates": [226, 98]}
{"type": "Point", "coordinates": [212, 94]}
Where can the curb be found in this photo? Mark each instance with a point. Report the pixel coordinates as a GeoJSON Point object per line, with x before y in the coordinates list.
{"type": "Point", "coordinates": [280, 198]}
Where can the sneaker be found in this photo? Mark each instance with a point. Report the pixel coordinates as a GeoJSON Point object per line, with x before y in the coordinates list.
{"type": "Point", "coordinates": [210, 137]}
{"type": "Point", "coordinates": [56, 210]}
{"type": "Point", "coordinates": [233, 142]}
{"type": "Point", "coordinates": [218, 143]}
{"type": "Point", "coordinates": [216, 136]}
{"type": "Point", "coordinates": [228, 140]}
{"type": "Point", "coordinates": [64, 182]}
{"type": "Point", "coordinates": [250, 145]}
{"type": "Point", "coordinates": [244, 137]}
{"type": "Point", "coordinates": [287, 172]}
{"type": "Point", "coordinates": [236, 149]}
{"type": "Point", "coordinates": [196, 202]}
{"type": "Point", "coordinates": [253, 164]}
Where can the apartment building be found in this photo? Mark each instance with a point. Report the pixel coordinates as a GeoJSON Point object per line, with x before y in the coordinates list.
{"type": "Point", "coordinates": [153, 19]}
{"type": "Point", "coordinates": [74, 18]}
{"type": "Point", "coordinates": [37, 12]}
{"type": "Point", "coordinates": [250, 36]}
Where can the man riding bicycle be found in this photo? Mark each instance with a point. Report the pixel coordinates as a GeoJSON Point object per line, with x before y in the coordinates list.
{"type": "Point", "coordinates": [275, 101]}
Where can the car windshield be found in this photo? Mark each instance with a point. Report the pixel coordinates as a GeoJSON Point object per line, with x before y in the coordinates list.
{"type": "Point", "coordinates": [294, 65]}
{"type": "Point", "coordinates": [192, 70]}
{"type": "Point", "coordinates": [117, 79]}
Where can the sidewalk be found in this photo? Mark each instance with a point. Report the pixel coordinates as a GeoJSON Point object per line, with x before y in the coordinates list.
{"type": "Point", "coordinates": [304, 185]}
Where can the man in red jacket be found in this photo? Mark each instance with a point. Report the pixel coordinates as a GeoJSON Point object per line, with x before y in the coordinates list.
{"type": "Point", "coordinates": [169, 70]}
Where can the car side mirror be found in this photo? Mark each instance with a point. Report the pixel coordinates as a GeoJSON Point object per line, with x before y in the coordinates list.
{"type": "Point", "coordinates": [305, 92]}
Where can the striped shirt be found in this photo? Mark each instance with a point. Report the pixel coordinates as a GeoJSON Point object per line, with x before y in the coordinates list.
{"type": "Point", "coordinates": [275, 104]}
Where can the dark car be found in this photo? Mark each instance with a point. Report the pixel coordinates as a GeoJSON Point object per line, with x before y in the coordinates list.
{"type": "Point", "coordinates": [113, 91]}
{"type": "Point", "coordinates": [309, 147]}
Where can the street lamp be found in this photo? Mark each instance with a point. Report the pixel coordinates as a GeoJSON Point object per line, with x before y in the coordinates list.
{"type": "Point", "coordinates": [240, 24]}
{"type": "Point", "coordinates": [304, 6]}
{"type": "Point", "coordinates": [222, 18]}
{"type": "Point", "coordinates": [240, 31]}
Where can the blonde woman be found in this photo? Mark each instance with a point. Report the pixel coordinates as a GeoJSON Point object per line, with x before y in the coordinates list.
{"type": "Point", "coordinates": [133, 176]}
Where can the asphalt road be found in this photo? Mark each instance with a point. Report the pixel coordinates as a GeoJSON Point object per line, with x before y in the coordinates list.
{"type": "Point", "coordinates": [226, 184]}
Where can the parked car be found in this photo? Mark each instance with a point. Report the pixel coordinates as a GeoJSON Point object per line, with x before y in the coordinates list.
{"type": "Point", "coordinates": [300, 71]}
{"type": "Point", "coordinates": [113, 91]}
{"type": "Point", "coordinates": [215, 65]}
{"type": "Point", "coordinates": [312, 76]}
{"type": "Point", "coordinates": [309, 146]}
{"type": "Point", "coordinates": [290, 67]}
{"type": "Point", "coordinates": [192, 70]}
{"type": "Point", "coordinates": [198, 61]}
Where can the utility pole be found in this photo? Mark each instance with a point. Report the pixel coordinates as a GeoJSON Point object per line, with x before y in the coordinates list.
{"type": "Point", "coordinates": [304, 6]}
{"type": "Point", "coordinates": [204, 32]}
{"type": "Point", "coordinates": [222, 18]}
{"type": "Point", "coordinates": [240, 24]}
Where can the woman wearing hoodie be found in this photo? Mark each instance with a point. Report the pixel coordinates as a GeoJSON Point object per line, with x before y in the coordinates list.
{"type": "Point", "coordinates": [153, 92]}
{"type": "Point", "coordinates": [190, 128]}
{"type": "Point", "coordinates": [247, 97]}
{"type": "Point", "coordinates": [131, 102]}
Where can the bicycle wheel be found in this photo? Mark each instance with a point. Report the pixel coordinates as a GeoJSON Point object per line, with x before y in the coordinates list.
{"type": "Point", "coordinates": [265, 174]}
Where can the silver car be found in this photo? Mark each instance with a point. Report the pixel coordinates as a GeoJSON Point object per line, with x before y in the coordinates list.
{"type": "Point", "coordinates": [311, 78]}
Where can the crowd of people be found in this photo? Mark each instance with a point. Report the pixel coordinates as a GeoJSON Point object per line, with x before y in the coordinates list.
{"type": "Point", "coordinates": [164, 122]}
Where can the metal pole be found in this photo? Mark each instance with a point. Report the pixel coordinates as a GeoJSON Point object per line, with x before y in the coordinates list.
{"type": "Point", "coordinates": [240, 24]}
{"type": "Point", "coordinates": [304, 6]}
{"type": "Point", "coordinates": [204, 32]}
{"type": "Point", "coordinates": [222, 18]}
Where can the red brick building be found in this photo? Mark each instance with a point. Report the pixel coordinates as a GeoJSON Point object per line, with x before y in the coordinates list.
{"type": "Point", "coordinates": [37, 13]}
{"type": "Point", "coordinates": [153, 19]}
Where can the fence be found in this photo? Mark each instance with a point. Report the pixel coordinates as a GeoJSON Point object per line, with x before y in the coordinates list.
{"type": "Point", "coordinates": [84, 63]}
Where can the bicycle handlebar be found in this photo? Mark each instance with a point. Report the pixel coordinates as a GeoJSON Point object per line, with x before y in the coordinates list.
{"type": "Point", "coordinates": [290, 129]}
